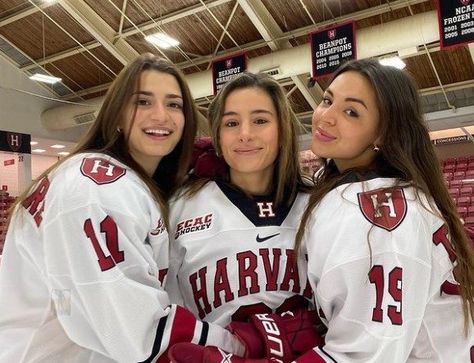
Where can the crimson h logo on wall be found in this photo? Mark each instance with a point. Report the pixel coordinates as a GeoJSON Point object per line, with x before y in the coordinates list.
{"type": "Point", "coordinates": [265, 210]}
{"type": "Point", "coordinates": [14, 141]}
{"type": "Point", "coordinates": [465, 2]}
{"type": "Point", "coordinates": [332, 34]}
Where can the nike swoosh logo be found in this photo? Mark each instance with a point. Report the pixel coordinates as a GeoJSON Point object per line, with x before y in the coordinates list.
{"type": "Point", "coordinates": [263, 239]}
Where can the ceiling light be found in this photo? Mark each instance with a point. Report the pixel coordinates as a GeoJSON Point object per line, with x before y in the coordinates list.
{"type": "Point", "coordinates": [57, 146]}
{"type": "Point", "coordinates": [393, 61]}
{"type": "Point", "coordinates": [33, 142]}
{"type": "Point", "coordinates": [45, 78]}
{"type": "Point", "coordinates": [38, 151]}
{"type": "Point", "coordinates": [63, 153]}
{"type": "Point", "coordinates": [162, 40]}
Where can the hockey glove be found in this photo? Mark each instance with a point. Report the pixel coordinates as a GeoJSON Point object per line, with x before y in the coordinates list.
{"type": "Point", "coordinates": [279, 337]}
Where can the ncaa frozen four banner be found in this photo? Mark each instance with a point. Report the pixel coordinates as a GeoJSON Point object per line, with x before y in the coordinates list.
{"type": "Point", "coordinates": [456, 22]}
{"type": "Point", "coordinates": [223, 70]}
{"type": "Point", "coordinates": [331, 47]}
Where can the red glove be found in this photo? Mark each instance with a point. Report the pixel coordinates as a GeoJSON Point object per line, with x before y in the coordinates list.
{"type": "Point", "coordinates": [205, 163]}
{"type": "Point", "coordinates": [193, 353]}
{"type": "Point", "coordinates": [279, 337]}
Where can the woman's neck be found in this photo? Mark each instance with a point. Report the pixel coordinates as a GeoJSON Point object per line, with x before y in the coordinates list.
{"type": "Point", "coordinates": [253, 183]}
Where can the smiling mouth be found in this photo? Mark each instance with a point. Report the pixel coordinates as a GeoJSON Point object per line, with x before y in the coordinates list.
{"type": "Point", "coordinates": [158, 132]}
{"type": "Point", "coordinates": [321, 134]}
{"type": "Point", "coordinates": [247, 151]}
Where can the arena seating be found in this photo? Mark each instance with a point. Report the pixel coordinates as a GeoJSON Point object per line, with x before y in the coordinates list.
{"type": "Point", "coordinates": [459, 175]}
{"type": "Point", "coordinates": [6, 200]}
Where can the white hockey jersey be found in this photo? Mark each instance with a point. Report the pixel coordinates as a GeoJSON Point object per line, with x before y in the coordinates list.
{"type": "Point", "coordinates": [233, 256]}
{"type": "Point", "coordinates": [82, 272]}
{"type": "Point", "coordinates": [381, 266]}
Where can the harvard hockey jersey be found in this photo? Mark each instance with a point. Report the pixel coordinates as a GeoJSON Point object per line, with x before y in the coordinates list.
{"type": "Point", "coordinates": [81, 276]}
{"type": "Point", "coordinates": [381, 265]}
{"type": "Point", "coordinates": [233, 255]}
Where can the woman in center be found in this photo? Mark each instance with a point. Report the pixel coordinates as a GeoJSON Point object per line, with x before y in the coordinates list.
{"type": "Point", "coordinates": [232, 237]}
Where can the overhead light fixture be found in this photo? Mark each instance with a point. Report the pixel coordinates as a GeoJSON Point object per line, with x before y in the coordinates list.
{"type": "Point", "coordinates": [45, 78]}
{"type": "Point", "coordinates": [38, 151]}
{"type": "Point", "coordinates": [162, 40]}
{"type": "Point", "coordinates": [63, 153]}
{"type": "Point", "coordinates": [393, 61]}
{"type": "Point", "coordinates": [33, 142]}
{"type": "Point", "coordinates": [57, 146]}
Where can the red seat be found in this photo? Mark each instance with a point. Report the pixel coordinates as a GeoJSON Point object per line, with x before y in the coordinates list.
{"type": "Point", "coordinates": [456, 183]}
{"type": "Point", "coordinates": [468, 181]}
{"type": "Point", "coordinates": [449, 168]}
{"type": "Point", "coordinates": [464, 202]}
{"type": "Point", "coordinates": [450, 161]}
{"type": "Point", "coordinates": [466, 191]}
{"type": "Point", "coordinates": [469, 221]}
{"type": "Point", "coordinates": [470, 211]}
{"type": "Point", "coordinates": [453, 192]}
{"type": "Point", "coordinates": [462, 211]}
{"type": "Point", "coordinates": [448, 176]}
{"type": "Point", "coordinates": [470, 173]}
{"type": "Point", "coordinates": [459, 174]}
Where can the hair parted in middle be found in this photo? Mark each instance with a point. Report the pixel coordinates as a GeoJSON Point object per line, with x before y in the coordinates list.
{"type": "Point", "coordinates": [287, 176]}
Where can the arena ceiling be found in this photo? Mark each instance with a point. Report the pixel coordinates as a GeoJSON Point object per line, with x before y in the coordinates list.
{"type": "Point", "coordinates": [87, 42]}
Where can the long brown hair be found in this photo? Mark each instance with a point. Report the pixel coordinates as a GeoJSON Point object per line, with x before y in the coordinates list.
{"type": "Point", "coordinates": [286, 172]}
{"type": "Point", "coordinates": [406, 152]}
{"type": "Point", "coordinates": [103, 136]}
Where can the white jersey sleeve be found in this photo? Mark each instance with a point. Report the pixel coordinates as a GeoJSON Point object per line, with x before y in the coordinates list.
{"type": "Point", "coordinates": [379, 263]}
{"type": "Point", "coordinates": [84, 263]}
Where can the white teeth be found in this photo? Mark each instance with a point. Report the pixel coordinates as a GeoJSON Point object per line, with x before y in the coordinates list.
{"type": "Point", "coordinates": [158, 132]}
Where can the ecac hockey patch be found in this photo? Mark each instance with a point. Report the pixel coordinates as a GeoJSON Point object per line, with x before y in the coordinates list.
{"type": "Point", "coordinates": [195, 224]}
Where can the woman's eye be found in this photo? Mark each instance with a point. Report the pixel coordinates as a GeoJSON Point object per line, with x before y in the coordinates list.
{"type": "Point", "coordinates": [176, 105]}
{"type": "Point", "coordinates": [260, 121]}
{"type": "Point", "coordinates": [352, 113]}
{"type": "Point", "coordinates": [142, 102]}
{"type": "Point", "coordinates": [326, 101]}
{"type": "Point", "coordinates": [230, 123]}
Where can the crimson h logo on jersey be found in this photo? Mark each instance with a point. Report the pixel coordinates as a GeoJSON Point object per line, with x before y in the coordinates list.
{"type": "Point", "coordinates": [101, 171]}
{"type": "Point", "coordinates": [386, 208]}
{"type": "Point", "coordinates": [265, 209]}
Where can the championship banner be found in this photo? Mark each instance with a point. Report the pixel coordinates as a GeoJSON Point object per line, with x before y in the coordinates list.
{"type": "Point", "coordinates": [331, 47]}
{"type": "Point", "coordinates": [223, 70]}
{"type": "Point", "coordinates": [15, 142]}
{"type": "Point", "coordinates": [456, 22]}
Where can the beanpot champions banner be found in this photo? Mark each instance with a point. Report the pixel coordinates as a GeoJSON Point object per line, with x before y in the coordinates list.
{"type": "Point", "coordinates": [331, 47]}
{"type": "Point", "coordinates": [223, 70]}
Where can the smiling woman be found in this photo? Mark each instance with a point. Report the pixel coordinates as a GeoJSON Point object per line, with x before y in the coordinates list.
{"type": "Point", "coordinates": [155, 120]}
{"type": "Point", "coordinates": [86, 251]}
{"type": "Point", "coordinates": [388, 258]}
{"type": "Point", "coordinates": [232, 237]}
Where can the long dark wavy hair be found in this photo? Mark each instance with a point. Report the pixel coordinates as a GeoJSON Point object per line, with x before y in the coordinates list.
{"type": "Point", "coordinates": [103, 136]}
{"type": "Point", "coordinates": [406, 152]}
{"type": "Point", "coordinates": [287, 177]}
